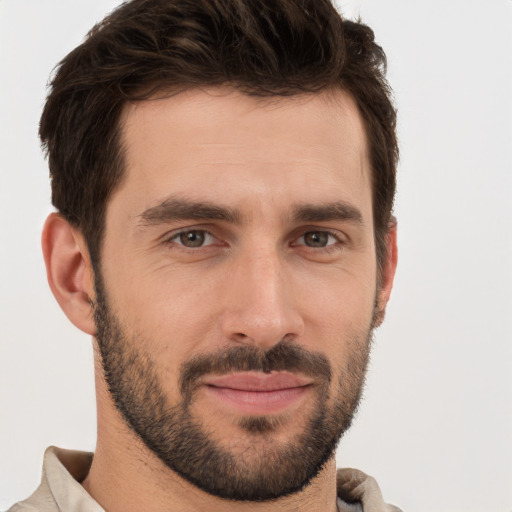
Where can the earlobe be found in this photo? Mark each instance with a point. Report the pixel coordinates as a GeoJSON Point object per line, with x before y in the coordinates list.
{"type": "Point", "coordinates": [388, 273]}
{"type": "Point", "coordinates": [69, 271]}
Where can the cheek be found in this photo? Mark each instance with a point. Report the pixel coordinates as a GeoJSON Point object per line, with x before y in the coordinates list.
{"type": "Point", "coordinates": [338, 326]}
{"type": "Point", "coordinates": [340, 301]}
{"type": "Point", "coordinates": [173, 310]}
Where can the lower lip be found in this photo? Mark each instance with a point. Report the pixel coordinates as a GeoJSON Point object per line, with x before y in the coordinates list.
{"type": "Point", "coordinates": [258, 402]}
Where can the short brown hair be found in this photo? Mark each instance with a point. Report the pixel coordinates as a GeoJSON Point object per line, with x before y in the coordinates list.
{"type": "Point", "coordinates": [260, 47]}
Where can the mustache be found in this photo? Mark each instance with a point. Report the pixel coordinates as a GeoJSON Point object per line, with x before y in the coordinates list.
{"type": "Point", "coordinates": [284, 356]}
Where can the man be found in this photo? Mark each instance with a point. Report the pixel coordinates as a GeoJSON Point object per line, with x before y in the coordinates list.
{"type": "Point", "coordinates": [224, 174]}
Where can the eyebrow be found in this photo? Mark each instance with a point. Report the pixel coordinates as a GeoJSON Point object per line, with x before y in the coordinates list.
{"type": "Point", "coordinates": [339, 210]}
{"type": "Point", "coordinates": [173, 209]}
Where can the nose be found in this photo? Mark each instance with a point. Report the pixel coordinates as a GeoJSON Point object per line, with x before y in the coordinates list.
{"type": "Point", "coordinates": [261, 305]}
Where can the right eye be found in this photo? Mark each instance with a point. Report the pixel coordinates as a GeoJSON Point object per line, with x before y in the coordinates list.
{"type": "Point", "coordinates": [193, 238]}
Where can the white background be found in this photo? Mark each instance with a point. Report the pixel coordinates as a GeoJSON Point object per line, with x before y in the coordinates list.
{"type": "Point", "coordinates": [435, 427]}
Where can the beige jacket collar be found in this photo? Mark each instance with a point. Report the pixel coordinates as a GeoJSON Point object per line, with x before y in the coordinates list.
{"type": "Point", "coordinates": [63, 470]}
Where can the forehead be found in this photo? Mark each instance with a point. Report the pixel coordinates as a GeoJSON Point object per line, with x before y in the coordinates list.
{"type": "Point", "coordinates": [223, 145]}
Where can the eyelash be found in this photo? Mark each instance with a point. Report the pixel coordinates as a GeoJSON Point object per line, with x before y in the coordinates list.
{"type": "Point", "coordinates": [336, 237]}
{"type": "Point", "coordinates": [172, 238]}
{"type": "Point", "coordinates": [337, 245]}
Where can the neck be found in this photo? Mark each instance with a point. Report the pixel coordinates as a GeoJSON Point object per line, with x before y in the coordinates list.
{"type": "Point", "coordinates": [126, 476]}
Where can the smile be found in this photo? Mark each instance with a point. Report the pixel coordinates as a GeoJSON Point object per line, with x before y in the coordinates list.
{"type": "Point", "coordinates": [258, 393]}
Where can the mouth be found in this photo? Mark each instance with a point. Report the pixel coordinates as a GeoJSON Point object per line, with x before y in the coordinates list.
{"type": "Point", "coordinates": [258, 393]}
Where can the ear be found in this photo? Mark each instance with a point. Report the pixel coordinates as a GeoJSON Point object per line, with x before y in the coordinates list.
{"type": "Point", "coordinates": [388, 272]}
{"type": "Point", "coordinates": [69, 271]}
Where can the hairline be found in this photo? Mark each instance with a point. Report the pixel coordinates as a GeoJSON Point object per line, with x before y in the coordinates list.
{"type": "Point", "coordinates": [330, 94]}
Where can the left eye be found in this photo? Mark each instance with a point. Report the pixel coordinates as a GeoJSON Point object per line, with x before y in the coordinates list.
{"type": "Point", "coordinates": [193, 238]}
{"type": "Point", "coordinates": [317, 239]}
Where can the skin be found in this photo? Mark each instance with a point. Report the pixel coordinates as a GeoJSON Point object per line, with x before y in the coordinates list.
{"type": "Point", "coordinates": [255, 281]}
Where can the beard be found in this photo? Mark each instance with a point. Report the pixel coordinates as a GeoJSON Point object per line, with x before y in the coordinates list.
{"type": "Point", "coordinates": [265, 469]}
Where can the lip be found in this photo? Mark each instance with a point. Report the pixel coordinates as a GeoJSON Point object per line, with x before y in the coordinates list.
{"type": "Point", "coordinates": [258, 393]}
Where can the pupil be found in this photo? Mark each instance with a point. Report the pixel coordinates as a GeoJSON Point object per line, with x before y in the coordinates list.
{"type": "Point", "coordinates": [316, 239]}
{"type": "Point", "coordinates": [192, 239]}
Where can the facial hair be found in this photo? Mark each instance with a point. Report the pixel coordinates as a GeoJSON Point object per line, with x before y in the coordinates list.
{"type": "Point", "coordinates": [264, 471]}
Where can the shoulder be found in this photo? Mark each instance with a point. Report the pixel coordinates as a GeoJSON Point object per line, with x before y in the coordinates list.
{"type": "Point", "coordinates": [60, 488]}
{"type": "Point", "coordinates": [22, 507]}
{"type": "Point", "coordinates": [38, 502]}
{"type": "Point", "coordinates": [41, 500]}
{"type": "Point", "coordinates": [354, 486]}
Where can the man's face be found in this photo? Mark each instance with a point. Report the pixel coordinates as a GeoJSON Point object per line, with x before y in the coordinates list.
{"type": "Point", "coordinates": [237, 288]}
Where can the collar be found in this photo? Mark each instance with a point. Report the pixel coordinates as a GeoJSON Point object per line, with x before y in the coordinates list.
{"type": "Point", "coordinates": [64, 470]}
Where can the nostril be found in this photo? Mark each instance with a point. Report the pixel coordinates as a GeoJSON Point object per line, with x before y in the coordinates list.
{"type": "Point", "coordinates": [289, 337]}
{"type": "Point", "coordinates": [240, 337]}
